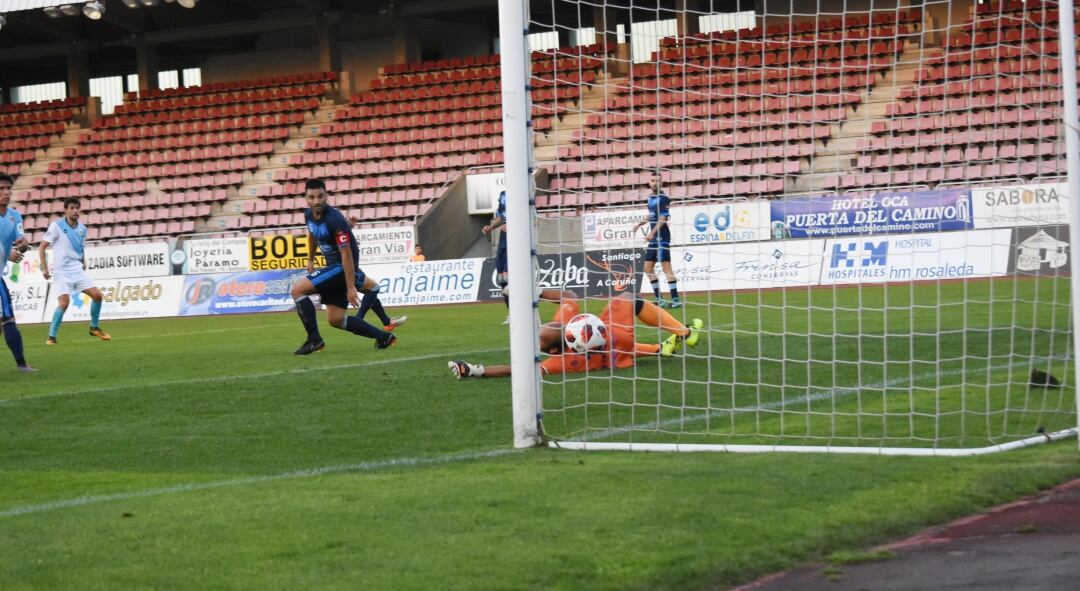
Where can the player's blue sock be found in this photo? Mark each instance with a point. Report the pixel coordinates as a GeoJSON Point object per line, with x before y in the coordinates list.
{"type": "Point", "coordinates": [355, 325]}
{"type": "Point", "coordinates": [367, 302]}
{"type": "Point", "coordinates": [306, 310]}
{"type": "Point", "coordinates": [95, 313]}
{"type": "Point", "coordinates": [14, 342]}
{"type": "Point", "coordinates": [673, 286]}
{"type": "Point", "coordinates": [57, 316]}
{"type": "Point", "coordinates": [377, 308]}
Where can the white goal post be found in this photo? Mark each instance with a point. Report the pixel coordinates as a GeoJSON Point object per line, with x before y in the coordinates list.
{"type": "Point", "coordinates": [871, 207]}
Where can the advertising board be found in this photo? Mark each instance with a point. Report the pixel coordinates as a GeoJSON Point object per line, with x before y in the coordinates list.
{"type": "Point", "coordinates": [1021, 205]}
{"type": "Point", "coordinates": [921, 257]}
{"type": "Point", "coordinates": [881, 213]}
{"type": "Point", "coordinates": [129, 297]}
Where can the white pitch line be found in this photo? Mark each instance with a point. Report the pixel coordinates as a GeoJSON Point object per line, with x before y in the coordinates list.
{"type": "Point", "coordinates": [232, 378]}
{"type": "Point", "coordinates": [362, 467]}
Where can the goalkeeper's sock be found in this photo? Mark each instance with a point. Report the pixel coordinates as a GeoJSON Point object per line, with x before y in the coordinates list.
{"type": "Point", "coordinates": [357, 326]}
{"type": "Point", "coordinates": [654, 315]}
{"type": "Point", "coordinates": [95, 313]}
{"type": "Point", "coordinates": [14, 342]}
{"type": "Point", "coordinates": [305, 309]}
{"type": "Point", "coordinates": [57, 317]}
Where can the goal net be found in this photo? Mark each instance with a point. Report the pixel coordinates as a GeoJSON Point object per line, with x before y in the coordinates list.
{"type": "Point", "coordinates": [868, 212]}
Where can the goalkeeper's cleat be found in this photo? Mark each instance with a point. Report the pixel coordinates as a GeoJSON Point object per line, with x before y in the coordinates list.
{"type": "Point", "coordinates": [386, 343]}
{"type": "Point", "coordinates": [695, 332]}
{"type": "Point", "coordinates": [670, 345]}
{"type": "Point", "coordinates": [50, 341]}
{"type": "Point", "coordinates": [460, 369]}
{"type": "Point", "coordinates": [675, 303]}
{"type": "Point", "coordinates": [309, 347]}
{"type": "Point", "coordinates": [96, 331]}
{"type": "Point", "coordinates": [395, 322]}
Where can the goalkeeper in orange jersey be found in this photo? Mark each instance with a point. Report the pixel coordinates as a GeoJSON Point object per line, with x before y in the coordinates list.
{"type": "Point", "coordinates": [620, 349]}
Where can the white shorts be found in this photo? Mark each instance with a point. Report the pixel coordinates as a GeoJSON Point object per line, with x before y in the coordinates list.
{"type": "Point", "coordinates": [71, 282]}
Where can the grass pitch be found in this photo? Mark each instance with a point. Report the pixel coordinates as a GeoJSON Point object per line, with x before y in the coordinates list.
{"type": "Point", "coordinates": [200, 454]}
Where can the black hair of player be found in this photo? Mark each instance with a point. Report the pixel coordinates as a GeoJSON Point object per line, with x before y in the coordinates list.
{"type": "Point", "coordinates": [7, 177]}
{"type": "Point", "coordinates": [315, 184]}
{"type": "Point", "coordinates": [70, 201]}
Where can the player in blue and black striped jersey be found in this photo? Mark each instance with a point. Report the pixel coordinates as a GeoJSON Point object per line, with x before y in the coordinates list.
{"type": "Point", "coordinates": [658, 240]}
{"type": "Point", "coordinates": [501, 267]}
{"type": "Point", "coordinates": [340, 282]}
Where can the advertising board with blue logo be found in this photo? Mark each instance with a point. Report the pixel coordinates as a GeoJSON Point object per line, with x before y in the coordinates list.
{"type": "Point", "coordinates": [238, 293]}
{"type": "Point", "coordinates": [125, 298]}
{"type": "Point", "coordinates": [451, 281]}
{"type": "Point", "coordinates": [822, 216]}
{"type": "Point", "coordinates": [922, 257]}
{"type": "Point", "coordinates": [718, 223]}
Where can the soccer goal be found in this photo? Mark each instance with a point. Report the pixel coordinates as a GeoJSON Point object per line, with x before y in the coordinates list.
{"type": "Point", "coordinates": [865, 203]}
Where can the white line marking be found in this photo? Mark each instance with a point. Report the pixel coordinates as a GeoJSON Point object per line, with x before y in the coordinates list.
{"type": "Point", "coordinates": [232, 378]}
{"type": "Point", "coordinates": [362, 467]}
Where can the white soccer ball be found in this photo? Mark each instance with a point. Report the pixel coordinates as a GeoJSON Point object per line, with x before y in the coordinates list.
{"type": "Point", "coordinates": [585, 332]}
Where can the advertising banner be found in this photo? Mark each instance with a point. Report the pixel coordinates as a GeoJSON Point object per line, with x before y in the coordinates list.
{"type": "Point", "coordinates": [215, 255]}
{"type": "Point", "coordinates": [28, 269]}
{"type": "Point", "coordinates": [880, 259]}
{"type": "Point", "coordinates": [1022, 205]}
{"type": "Point", "coordinates": [238, 293]}
{"type": "Point", "coordinates": [482, 191]}
{"type": "Point", "coordinates": [613, 229]}
{"type": "Point", "coordinates": [1040, 251]}
{"type": "Point", "coordinates": [882, 213]}
{"type": "Point", "coordinates": [133, 297]}
{"type": "Point", "coordinates": [431, 282]}
{"type": "Point", "coordinates": [717, 223]}
{"type": "Point", "coordinates": [749, 265]}
{"type": "Point", "coordinates": [29, 299]}
{"type": "Point", "coordinates": [593, 274]}
{"type": "Point", "coordinates": [271, 253]}
{"type": "Point", "coordinates": [128, 260]}
{"type": "Point", "coordinates": [385, 245]}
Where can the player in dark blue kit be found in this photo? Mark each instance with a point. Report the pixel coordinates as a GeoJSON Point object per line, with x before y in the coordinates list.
{"type": "Point", "coordinates": [659, 242]}
{"type": "Point", "coordinates": [340, 282]}
{"type": "Point", "coordinates": [500, 253]}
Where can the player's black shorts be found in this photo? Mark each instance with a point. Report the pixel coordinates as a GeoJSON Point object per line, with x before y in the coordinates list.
{"type": "Point", "coordinates": [330, 283]}
{"type": "Point", "coordinates": [658, 252]}
{"type": "Point", "coordinates": [500, 255]}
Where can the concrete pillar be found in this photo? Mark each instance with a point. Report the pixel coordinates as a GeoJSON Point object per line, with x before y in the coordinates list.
{"type": "Point", "coordinates": [78, 72]}
{"type": "Point", "coordinates": [329, 42]}
{"type": "Point", "coordinates": [687, 22]}
{"type": "Point", "coordinates": [406, 43]}
{"type": "Point", "coordinates": [146, 65]}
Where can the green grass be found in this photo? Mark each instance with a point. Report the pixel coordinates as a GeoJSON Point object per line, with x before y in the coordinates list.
{"type": "Point", "coordinates": [200, 454]}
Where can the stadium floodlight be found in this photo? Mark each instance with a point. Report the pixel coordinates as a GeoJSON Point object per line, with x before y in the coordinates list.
{"type": "Point", "coordinates": [3, 20]}
{"type": "Point", "coordinates": [149, 3]}
{"type": "Point", "coordinates": [132, 3]}
{"type": "Point", "coordinates": [94, 10]}
{"type": "Point", "coordinates": [53, 12]}
{"type": "Point", "coordinates": [902, 289]}
{"type": "Point", "coordinates": [187, 3]}
{"type": "Point", "coordinates": [69, 9]}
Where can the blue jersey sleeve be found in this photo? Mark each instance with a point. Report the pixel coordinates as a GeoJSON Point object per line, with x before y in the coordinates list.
{"type": "Point", "coordinates": [340, 232]}
{"type": "Point", "coordinates": [662, 207]}
{"type": "Point", "coordinates": [17, 217]}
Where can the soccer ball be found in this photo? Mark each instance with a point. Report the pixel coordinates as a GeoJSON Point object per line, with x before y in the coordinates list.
{"type": "Point", "coordinates": [585, 332]}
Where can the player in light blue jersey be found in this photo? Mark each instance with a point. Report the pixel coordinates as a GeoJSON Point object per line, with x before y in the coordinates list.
{"type": "Point", "coordinates": [13, 244]}
{"type": "Point", "coordinates": [67, 236]}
